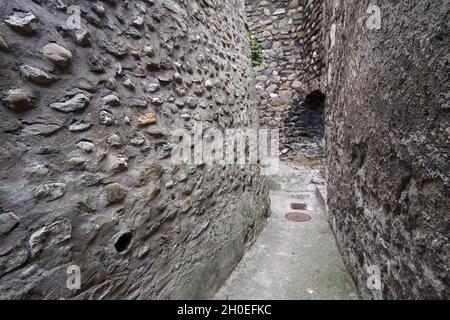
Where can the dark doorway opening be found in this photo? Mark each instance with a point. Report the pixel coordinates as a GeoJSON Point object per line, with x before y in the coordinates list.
{"type": "Point", "coordinates": [304, 125]}
{"type": "Point", "coordinates": [315, 100]}
{"type": "Point", "coordinates": [315, 107]}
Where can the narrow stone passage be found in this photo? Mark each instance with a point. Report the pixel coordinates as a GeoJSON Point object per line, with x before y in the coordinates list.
{"type": "Point", "coordinates": [292, 260]}
{"type": "Point", "coordinates": [136, 139]}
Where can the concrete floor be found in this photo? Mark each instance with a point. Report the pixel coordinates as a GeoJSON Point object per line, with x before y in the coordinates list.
{"type": "Point", "coordinates": [292, 260]}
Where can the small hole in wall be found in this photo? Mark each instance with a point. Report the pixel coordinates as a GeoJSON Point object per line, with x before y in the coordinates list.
{"type": "Point", "coordinates": [123, 243]}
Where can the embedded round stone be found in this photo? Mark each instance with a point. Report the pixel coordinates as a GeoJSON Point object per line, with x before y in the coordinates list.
{"type": "Point", "coordinates": [36, 75]}
{"type": "Point", "coordinates": [147, 119]}
{"type": "Point", "coordinates": [57, 54]}
{"type": "Point", "coordinates": [19, 100]}
{"type": "Point", "coordinates": [115, 193]}
{"type": "Point", "coordinates": [23, 22]}
{"type": "Point", "coordinates": [3, 43]}
{"type": "Point", "coordinates": [8, 221]}
{"type": "Point", "coordinates": [76, 104]}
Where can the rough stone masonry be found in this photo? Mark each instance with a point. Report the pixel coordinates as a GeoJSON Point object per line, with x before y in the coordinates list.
{"type": "Point", "coordinates": [86, 178]}
{"type": "Point", "coordinates": [388, 135]}
{"type": "Point", "coordinates": [87, 111]}
{"type": "Point", "coordinates": [290, 34]}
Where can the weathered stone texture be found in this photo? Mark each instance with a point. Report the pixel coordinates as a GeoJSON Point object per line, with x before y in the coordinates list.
{"type": "Point", "coordinates": [290, 34]}
{"type": "Point", "coordinates": [388, 145]}
{"type": "Point", "coordinates": [312, 77]}
{"type": "Point", "coordinates": [85, 119]}
{"type": "Point", "coordinates": [277, 27]}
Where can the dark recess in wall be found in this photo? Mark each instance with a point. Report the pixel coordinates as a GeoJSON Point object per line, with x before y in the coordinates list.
{"type": "Point", "coordinates": [315, 102]}
{"type": "Point", "coordinates": [307, 118]}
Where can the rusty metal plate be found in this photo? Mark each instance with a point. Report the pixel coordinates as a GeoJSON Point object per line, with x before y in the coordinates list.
{"type": "Point", "coordinates": [298, 217]}
{"type": "Point", "coordinates": [299, 206]}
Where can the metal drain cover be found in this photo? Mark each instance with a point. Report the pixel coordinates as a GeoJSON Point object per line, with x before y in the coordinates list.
{"type": "Point", "coordinates": [299, 206]}
{"type": "Point", "coordinates": [298, 217]}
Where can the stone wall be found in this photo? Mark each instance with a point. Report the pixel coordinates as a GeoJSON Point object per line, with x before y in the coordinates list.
{"type": "Point", "coordinates": [289, 32]}
{"type": "Point", "coordinates": [277, 27]}
{"type": "Point", "coordinates": [87, 179]}
{"type": "Point", "coordinates": [388, 131]}
{"type": "Point", "coordinates": [313, 79]}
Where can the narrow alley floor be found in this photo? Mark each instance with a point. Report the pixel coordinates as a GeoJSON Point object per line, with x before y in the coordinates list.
{"type": "Point", "coordinates": [292, 260]}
